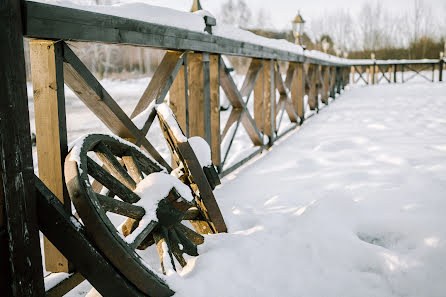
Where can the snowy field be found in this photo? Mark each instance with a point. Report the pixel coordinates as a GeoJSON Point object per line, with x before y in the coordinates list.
{"type": "Point", "coordinates": [351, 204]}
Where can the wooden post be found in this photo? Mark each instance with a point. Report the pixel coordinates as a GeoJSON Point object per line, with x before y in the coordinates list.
{"type": "Point", "coordinates": [51, 131]}
{"type": "Point", "coordinates": [433, 72]}
{"type": "Point", "coordinates": [265, 100]}
{"type": "Point", "coordinates": [338, 79]}
{"type": "Point", "coordinates": [203, 79]}
{"type": "Point", "coordinates": [215, 109]}
{"type": "Point", "coordinates": [196, 94]}
{"type": "Point", "coordinates": [270, 100]}
{"type": "Point", "coordinates": [440, 70]}
{"type": "Point", "coordinates": [372, 73]}
{"type": "Point", "coordinates": [298, 91]}
{"type": "Point", "coordinates": [259, 100]}
{"type": "Point", "coordinates": [178, 99]}
{"type": "Point", "coordinates": [395, 71]}
{"type": "Point", "coordinates": [17, 191]}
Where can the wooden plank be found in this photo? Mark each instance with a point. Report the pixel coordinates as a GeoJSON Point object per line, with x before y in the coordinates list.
{"type": "Point", "coordinates": [75, 245]}
{"type": "Point", "coordinates": [51, 130]}
{"type": "Point", "coordinates": [312, 90]}
{"type": "Point", "coordinates": [178, 99]}
{"type": "Point", "coordinates": [298, 91]}
{"type": "Point", "coordinates": [16, 164]}
{"type": "Point", "coordinates": [259, 101]}
{"type": "Point", "coordinates": [196, 94]}
{"type": "Point", "coordinates": [97, 99]}
{"type": "Point", "coordinates": [215, 108]}
{"type": "Point", "coordinates": [206, 107]}
{"type": "Point", "coordinates": [161, 81]}
{"type": "Point", "coordinates": [50, 21]}
{"type": "Point", "coordinates": [65, 286]}
{"type": "Point", "coordinates": [252, 74]}
{"type": "Point", "coordinates": [270, 99]}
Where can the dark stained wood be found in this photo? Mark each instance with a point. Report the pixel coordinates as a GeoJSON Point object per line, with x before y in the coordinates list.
{"type": "Point", "coordinates": [113, 166]}
{"type": "Point", "coordinates": [16, 164]}
{"type": "Point", "coordinates": [121, 208]}
{"type": "Point", "coordinates": [144, 233]}
{"type": "Point", "coordinates": [161, 81]}
{"type": "Point", "coordinates": [191, 234]}
{"type": "Point", "coordinates": [208, 199]}
{"type": "Point", "coordinates": [113, 184]}
{"type": "Point", "coordinates": [71, 240]}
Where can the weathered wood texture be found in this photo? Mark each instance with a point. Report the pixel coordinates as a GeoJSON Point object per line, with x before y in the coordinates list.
{"type": "Point", "coordinates": [196, 94]}
{"type": "Point", "coordinates": [51, 131]}
{"type": "Point", "coordinates": [53, 221]}
{"type": "Point", "coordinates": [215, 108]}
{"type": "Point", "coordinates": [298, 91]}
{"type": "Point", "coordinates": [24, 261]}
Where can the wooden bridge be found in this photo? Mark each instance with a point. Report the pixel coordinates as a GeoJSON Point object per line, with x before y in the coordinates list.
{"type": "Point", "coordinates": [192, 72]}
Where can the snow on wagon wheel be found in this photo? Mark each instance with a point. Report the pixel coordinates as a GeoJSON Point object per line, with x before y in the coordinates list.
{"type": "Point", "coordinates": [100, 168]}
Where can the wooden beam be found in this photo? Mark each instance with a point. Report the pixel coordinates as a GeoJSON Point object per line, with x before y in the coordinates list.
{"type": "Point", "coordinates": [298, 91]}
{"type": "Point", "coordinates": [269, 99]}
{"type": "Point", "coordinates": [72, 241]}
{"type": "Point", "coordinates": [24, 267]}
{"type": "Point", "coordinates": [196, 94]}
{"type": "Point", "coordinates": [47, 21]}
{"type": "Point", "coordinates": [51, 130]}
{"type": "Point", "coordinates": [96, 98]}
{"type": "Point", "coordinates": [259, 100]}
{"type": "Point", "coordinates": [161, 81]}
{"type": "Point", "coordinates": [178, 99]}
{"type": "Point", "coordinates": [215, 108]}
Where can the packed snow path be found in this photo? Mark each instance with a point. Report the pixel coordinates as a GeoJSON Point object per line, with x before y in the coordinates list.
{"type": "Point", "coordinates": [351, 204]}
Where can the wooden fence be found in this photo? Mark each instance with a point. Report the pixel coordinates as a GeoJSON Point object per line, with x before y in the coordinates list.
{"type": "Point", "coordinates": [192, 72]}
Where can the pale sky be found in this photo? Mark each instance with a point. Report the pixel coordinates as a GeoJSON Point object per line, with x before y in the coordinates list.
{"type": "Point", "coordinates": [281, 12]}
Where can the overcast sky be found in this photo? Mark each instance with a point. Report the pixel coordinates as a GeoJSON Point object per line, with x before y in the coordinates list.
{"type": "Point", "coordinates": [281, 12]}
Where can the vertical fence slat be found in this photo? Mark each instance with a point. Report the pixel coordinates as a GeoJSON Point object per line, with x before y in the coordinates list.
{"type": "Point", "coordinates": [51, 130]}
{"type": "Point", "coordinates": [177, 101]}
{"type": "Point", "coordinates": [16, 165]}
{"type": "Point", "coordinates": [298, 91]}
{"type": "Point", "coordinates": [215, 108]}
{"type": "Point", "coordinates": [259, 100]}
{"type": "Point", "coordinates": [196, 96]}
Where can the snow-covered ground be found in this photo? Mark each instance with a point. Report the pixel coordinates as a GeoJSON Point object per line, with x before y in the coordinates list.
{"type": "Point", "coordinates": [351, 204]}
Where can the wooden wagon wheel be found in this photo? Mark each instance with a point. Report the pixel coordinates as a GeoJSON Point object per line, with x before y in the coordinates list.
{"type": "Point", "coordinates": [202, 178]}
{"type": "Point", "coordinates": [124, 168]}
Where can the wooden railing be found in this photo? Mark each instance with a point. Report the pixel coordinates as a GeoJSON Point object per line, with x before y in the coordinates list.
{"type": "Point", "coordinates": [192, 72]}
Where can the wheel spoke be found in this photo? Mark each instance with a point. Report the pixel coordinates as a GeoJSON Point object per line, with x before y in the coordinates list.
{"type": "Point", "coordinates": [113, 166]}
{"type": "Point", "coordinates": [121, 208]}
{"type": "Point", "coordinates": [132, 167]}
{"type": "Point", "coordinates": [114, 185]}
{"type": "Point", "coordinates": [165, 233]}
{"type": "Point", "coordinates": [188, 246]}
{"type": "Point", "coordinates": [176, 250]}
{"type": "Point", "coordinates": [143, 234]}
{"type": "Point", "coordinates": [192, 214]}
{"type": "Point", "coordinates": [196, 238]}
{"type": "Point", "coordinates": [159, 240]}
